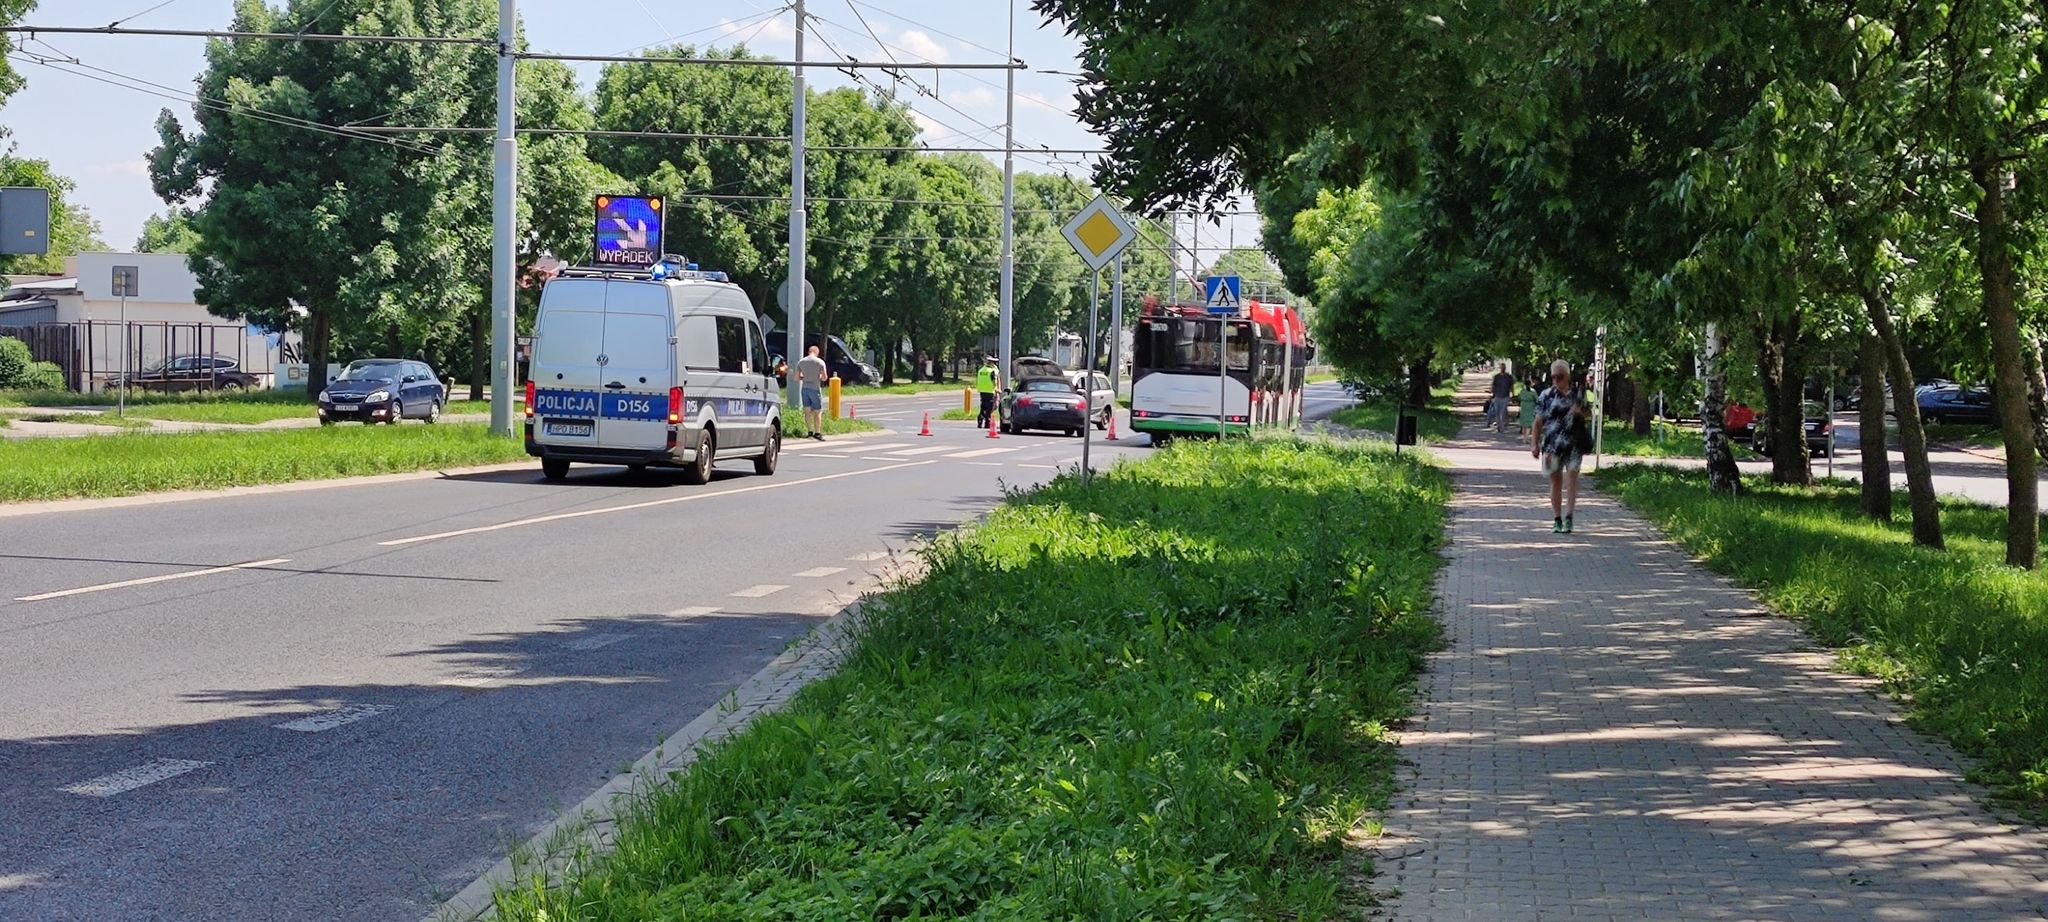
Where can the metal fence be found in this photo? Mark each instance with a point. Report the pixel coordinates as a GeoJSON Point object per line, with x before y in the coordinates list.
{"type": "Point", "coordinates": [89, 351]}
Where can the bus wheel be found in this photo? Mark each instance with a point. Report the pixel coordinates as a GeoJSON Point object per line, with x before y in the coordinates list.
{"type": "Point", "coordinates": [1161, 439]}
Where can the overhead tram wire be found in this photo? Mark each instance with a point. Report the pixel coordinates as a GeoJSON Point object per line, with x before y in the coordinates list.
{"type": "Point", "coordinates": [146, 12]}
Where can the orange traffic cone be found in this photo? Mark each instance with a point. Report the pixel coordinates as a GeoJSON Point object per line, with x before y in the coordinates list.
{"type": "Point", "coordinates": [1112, 424]}
{"type": "Point", "coordinates": [852, 413]}
{"type": "Point", "coordinates": [926, 429]}
{"type": "Point", "coordinates": [992, 425]}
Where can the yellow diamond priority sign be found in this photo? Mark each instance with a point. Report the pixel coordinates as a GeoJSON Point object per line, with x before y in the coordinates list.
{"type": "Point", "coordinates": [1099, 233]}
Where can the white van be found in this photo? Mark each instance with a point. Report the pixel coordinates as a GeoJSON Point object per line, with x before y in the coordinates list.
{"type": "Point", "coordinates": [658, 368]}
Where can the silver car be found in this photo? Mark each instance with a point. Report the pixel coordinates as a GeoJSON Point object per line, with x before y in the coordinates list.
{"type": "Point", "coordinates": [1101, 397]}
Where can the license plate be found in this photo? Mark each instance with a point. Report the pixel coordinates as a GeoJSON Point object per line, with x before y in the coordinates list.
{"type": "Point", "coordinates": [347, 407]}
{"type": "Point", "coordinates": [570, 428]}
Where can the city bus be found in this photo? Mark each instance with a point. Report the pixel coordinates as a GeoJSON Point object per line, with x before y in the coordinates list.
{"type": "Point", "coordinates": [1178, 383]}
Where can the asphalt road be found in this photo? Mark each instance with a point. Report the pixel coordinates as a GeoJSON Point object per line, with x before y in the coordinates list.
{"type": "Point", "coordinates": [346, 703]}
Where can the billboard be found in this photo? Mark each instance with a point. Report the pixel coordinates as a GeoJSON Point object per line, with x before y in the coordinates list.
{"type": "Point", "coordinates": [628, 230]}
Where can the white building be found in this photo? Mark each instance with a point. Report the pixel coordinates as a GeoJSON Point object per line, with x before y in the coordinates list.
{"type": "Point", "coordinates": [76, 320]}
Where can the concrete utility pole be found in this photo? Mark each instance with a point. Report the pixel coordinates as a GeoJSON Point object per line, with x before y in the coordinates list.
{"type": "Point", "coordinates": [799, 219]}
{"type": "Point", "coordinates": [504, 218]}
{"type": "Point", "coordinates": [1006, 292]}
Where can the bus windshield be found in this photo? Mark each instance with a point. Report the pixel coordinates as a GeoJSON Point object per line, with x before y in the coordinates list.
{"type": "Point", "coordinates": [1187, 345]}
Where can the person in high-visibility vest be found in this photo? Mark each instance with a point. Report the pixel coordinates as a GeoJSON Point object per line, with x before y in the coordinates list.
{"type": "Point", "coordinates": [985, 385]}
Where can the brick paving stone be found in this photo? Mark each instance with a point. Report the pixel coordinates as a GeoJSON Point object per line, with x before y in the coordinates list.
{"type": "Point", "coordinates": [1614, 732]}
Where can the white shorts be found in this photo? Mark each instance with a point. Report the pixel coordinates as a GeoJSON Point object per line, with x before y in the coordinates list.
{"type": "Point", "coordinates": [1554, 465]}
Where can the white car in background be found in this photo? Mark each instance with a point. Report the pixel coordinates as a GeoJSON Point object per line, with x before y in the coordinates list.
{"type": "Point", "coordinates": [1101, 397]}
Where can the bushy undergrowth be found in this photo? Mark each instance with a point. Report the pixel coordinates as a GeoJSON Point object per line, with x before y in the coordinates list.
{"type": "Point", "coordinates": [1962, 638]}
{"type": "Point", "coordinates": [1159, 696]}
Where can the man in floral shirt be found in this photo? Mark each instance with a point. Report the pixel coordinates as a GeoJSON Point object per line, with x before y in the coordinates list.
{"type": "Point", "coordinates": [1561, 417]}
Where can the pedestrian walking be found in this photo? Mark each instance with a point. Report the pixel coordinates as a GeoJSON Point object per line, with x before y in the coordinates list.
{"type": "Point", "coordinates": [1562, 437]}
{"type": "Point", "coordinates": [810, 376]}
{"type": "Point", "coordinates": [985, 385]}
{"type": "Point", "coordinates": [1528, 420]}
{"type": "Point", "coordinates": [1497, 407]}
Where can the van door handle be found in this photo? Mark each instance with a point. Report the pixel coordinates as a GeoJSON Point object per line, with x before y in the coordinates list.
{"type": "Point", "coordinates": [617, 385]}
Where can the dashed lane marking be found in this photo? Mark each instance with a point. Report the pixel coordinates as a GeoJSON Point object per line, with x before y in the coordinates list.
{"type": "Point", "coordinates": [321, 723]}
{"type": "Point", "coordinates": [147, 580]}
{"type": "Point", "coordinates": [913, 452]}
{"type": "Point", "coordinates": [693, 497]}
{"type": "Point", "coordinates": [755, 592]}
{"type": "Point", "coordinates": [981, 452]}
{"type": "Point", "coordinates": [595, 642]}
{"type": "Point", "coordinates": [129, 779]}
{"type": "Point", "coordinates": [816, 572]}
{"type": "Point", "coordinates": [693, 611]}
{"type": "Point", "coordinates": [867, 556]}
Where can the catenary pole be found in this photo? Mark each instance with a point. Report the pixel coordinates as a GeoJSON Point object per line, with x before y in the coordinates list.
{"type": "Point", "coordinates": [798, 218]}
{"type": "Point", "coordinates": [1007, 285]}
{"type": "Point", "coordinates": [504, 215]}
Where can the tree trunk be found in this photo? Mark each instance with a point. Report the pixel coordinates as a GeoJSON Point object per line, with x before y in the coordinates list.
{"type": "Point", "coordinates": [889, 360]}
{"type": "Point", "coordinates": [1912, 438]}
{"type": "Point", "coordinates": [1419, 383]}
{"type": "Point", "coordinates": [318, 329]}
{"type": "Point", "coordinates": [1640, 419]}
{"type": "Point", "coordinates": [1722, 474]}
{"type": "Point", "coordinates": [2037, 396]}
{"type": "Point", "coordinates": [2008, 365]}
{"type": "Point", "coordinates": [1778, 369]}
{"type": "Point", "coordinates": [1877, 462]}
{"type": "Point", "coordinates": [479, 354]}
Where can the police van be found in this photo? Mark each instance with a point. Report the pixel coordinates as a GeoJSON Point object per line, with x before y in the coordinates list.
{"type": "Point", "coordinates": [656, 367]}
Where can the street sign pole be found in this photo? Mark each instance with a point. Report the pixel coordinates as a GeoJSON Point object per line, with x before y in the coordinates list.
{"type": "Point", "coordinates": [1116, 330]}
{"type": "Point", "coordinates": [1829, 415]}
{"type": "Point", "coordinates": [504, 229]}
{"type": "Point", "coordinates": [1087, 431]}
{"type": "Point", "coordinates": [121, 408]}
{"type": "Point", "coordinates": [799, 220]}
{"type": "Point", "coordinates": [1007, 286]}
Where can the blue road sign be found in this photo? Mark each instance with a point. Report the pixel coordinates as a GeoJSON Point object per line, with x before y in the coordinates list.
{"type": "Point", "coordinates": [1224, 293]}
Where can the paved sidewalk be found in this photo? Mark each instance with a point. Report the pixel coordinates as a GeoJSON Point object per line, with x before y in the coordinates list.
{"type": "Point", "coordinates": [1615, 733]}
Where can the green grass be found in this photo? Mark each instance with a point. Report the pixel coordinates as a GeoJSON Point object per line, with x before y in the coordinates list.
{"type": "Point", "coordinates": [138, 398]}
{"type": "Point", "coordinates": [1162, 696]}
{"type": "Point", "coordinates": [1960, 637]}
{"type": "Point", "coordinates": [1432, 424]}
{"type": "Point", "coordinates": [130, 463]}
{"type": "Point", "coordinates": [86, 419]}
{"type": "Point", "coordinates": [795, 428]}
{"type": "Point", "coordinates": [1678, 442]}
{"type": "Point", "coordinates": [251, 412]}
{"type": "Point", "coordinates": [956, 415]}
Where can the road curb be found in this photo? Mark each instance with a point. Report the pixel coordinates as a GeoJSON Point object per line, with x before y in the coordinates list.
{"type": "Point", "coordinates": [587, 832]}
{"type": "Point", "coordinates": [39, 507]}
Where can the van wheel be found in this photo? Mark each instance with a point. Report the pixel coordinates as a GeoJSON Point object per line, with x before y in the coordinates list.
{"type": "Point", "coordinates": [765, 464]}
{"type": "Point", "coordinates": [554, 468]}
{"type": "Point", "coordinates": [699, 471]}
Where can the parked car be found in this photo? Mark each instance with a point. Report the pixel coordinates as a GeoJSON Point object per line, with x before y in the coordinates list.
{"type": "Point", "coordinates": [383, 391]}
{"type": "Point", "coordinates": [1955, 404]}
{"type": "Point", "coordinates": [1035, 366]}
{"type": "Point", "coordinates": [1819, 430]}
{"type": "Point", "coordinates": [1045, 403]}
{"type": "Point", "coordinates": [1101, 398]}
{"type": "Point", "coordinates": [1741, 421]}
{"type": "Point", "coordinates": [839, 360]}
{"type": "Point", "coordinates": [193, 373]}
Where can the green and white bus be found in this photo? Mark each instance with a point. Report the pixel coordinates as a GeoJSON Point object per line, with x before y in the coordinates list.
{"type": "Point", "coordinates": [1179, 383]}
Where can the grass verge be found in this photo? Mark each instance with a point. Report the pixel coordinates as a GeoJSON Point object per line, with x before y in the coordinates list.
{"type": "Point", "coordinates": [1160, 696]}
{"type": "Point", "coordinates": [130, 463]}
{"type": "Point", "coordinates": [901, 387]}
{"type": "Point", "coordinates": [1432, 424]}
{"type": "Point", "coordinates": [796, 428]}
{"type": "Point", "coordinates": [1958, 636]}
{"type": "Point", "coordinates": [1676, 442]}
{"type": "Point", "coordinates": [87, 419]}
{"type": "Point", "coordinates": [241, 407]}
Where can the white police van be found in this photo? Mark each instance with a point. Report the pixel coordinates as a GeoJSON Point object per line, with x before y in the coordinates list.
{"type": "Point", "coordinates": [658, 367]}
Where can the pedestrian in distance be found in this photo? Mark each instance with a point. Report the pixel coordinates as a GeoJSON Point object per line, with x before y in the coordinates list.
{"type": "Point", "coordinates": [1562, 437]}
{"type": "Point", "coordinates": [1497, 407]}
{"type": "Point", "coordinates": [985, 385]}
{"type": "Point", "coordinates": [1528, 419]}
{"type": "Point", "coordinates": [810, 376]}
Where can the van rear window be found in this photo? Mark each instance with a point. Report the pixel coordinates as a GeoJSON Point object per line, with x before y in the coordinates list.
{"type": "Point", "coordinates": [569, 338]}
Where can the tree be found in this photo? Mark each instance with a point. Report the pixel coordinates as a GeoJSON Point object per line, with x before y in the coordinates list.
{"type": "Point", "coordinates": [72, 229]}
{"type": "Point", "coordinates": [378, 240]}
{"type": "Point", "coordinates": [170, 232]}
{"type": "Point", "coordinates": [11, 12]}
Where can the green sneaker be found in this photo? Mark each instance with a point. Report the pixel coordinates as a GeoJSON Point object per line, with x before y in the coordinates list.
{"type": "Point", "coordinates": [1567, 525]}
{"type": "Point", "coordinates": [1557, 526]}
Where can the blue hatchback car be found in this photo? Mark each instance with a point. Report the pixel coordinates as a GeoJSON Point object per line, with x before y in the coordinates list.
{"type": "Point", "coordinates": [383, 391]}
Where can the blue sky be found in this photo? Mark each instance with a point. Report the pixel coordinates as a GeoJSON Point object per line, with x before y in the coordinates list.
{"type": "Point", "coordinates": [97, 134]}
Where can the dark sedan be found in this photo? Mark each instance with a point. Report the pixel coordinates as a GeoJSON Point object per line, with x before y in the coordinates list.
{"type": "Point", "coordinates": [1819, 431]}
{"type": "Point", "coordinates": [194, 373]}
{"type": "Point", "coordinates": [1953, 404]}
{"type": "Point", "coordinates": [1045, 403]}
{"type": "Point", "coordinates": [383, 391]}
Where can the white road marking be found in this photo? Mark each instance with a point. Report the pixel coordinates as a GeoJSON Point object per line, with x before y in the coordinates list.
{"type": "Point", "coordinates": [755, 592]}
{"type": "Point", "coordinates": [824, 455]}
{"type": "Point", "coordinates": [986, 463]}
{"type": "Point", "coordinates": [560, 516]}
{"type": "Point", "coordinates": [595, 642]}
{"type": "Point", "coordinates": [321, 723]}
{"type": "Point", "coordinates": [693, 611]}
{"type": "Point", "coordinates": [816, 572]}
{"type": "Point", "coordinates": [866, 556]}
{"type": "Point", "coordinates": [981, 452]}
{"type": "Point", "coordinates": [481, 678]}
{"type": "Point", "coordinates": [147, 580]}
{"type": "Point", "coordinates": [879, 446]}
{"type": "Point", "coordinates": [129, 779]}
{"type": "Point", "coordinates": [912, 452]}
{"type": "Point", "coordinates": [1042, 467]}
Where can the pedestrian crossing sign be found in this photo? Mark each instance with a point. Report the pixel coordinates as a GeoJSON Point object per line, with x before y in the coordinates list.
{"type": "Point", "coordinates": [1224, 293]}
{"type": "Point", "coordinates": [1099, 233]}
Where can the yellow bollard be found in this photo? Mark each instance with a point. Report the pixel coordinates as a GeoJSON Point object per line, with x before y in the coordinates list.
{"type": "Point", "coordinates": [832, 396]}
{"type": "Point", "coordinates": [967, 400]}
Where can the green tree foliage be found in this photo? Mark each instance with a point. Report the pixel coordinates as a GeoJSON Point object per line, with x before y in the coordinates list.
{"type": "Point", "coordinates": [383, 243]}
{"type": "Point", "coordinates": [72, 229]}
{"type": "Point", "coordinates": [170, 232]}
{"type": "Point", "coordinates": [11, 12]}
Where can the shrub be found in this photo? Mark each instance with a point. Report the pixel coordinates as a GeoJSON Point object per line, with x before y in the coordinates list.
{"type": "Point", "coordinates": [42, 376]}
{"type": "Point", "coordinates": [14, 361]}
